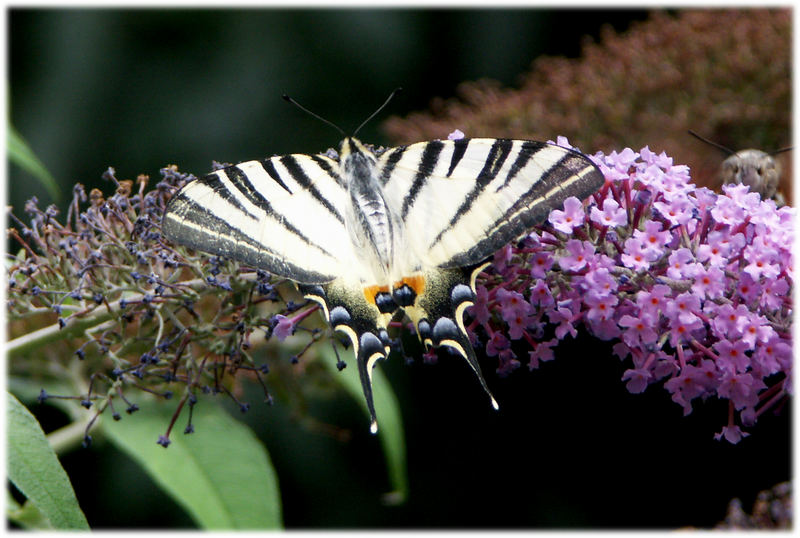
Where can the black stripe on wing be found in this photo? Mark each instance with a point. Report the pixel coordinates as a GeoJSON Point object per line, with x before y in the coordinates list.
{"type": "Point", "coordinates": [459, 149]}
{"type": "Point", "coordinates": [430, 156]}
{"type": "Point", "coordinates": [498, 154]}
{"type": "Point", "coordinates": [269, 166]}
{"type": "Point", "coordinates": [213, 234]}
{"type": "Point", "coordinates": [243, 184]}
{"type": "Point", "coordinates": [299, 175]}
{"type": "Point", "coordinates": [325, 165]}
{"type": "Point", "coordinates": [573, 175]}
{"type": "Point", "coordinates": [391, 161]}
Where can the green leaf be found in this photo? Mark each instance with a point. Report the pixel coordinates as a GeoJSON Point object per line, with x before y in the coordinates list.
{"type": "Point", "coordinates": [36, 472]}
{"type": "Point", "coordinates": [221, 474]}
{"type": "Point", "coordinates": [20, 152]}
{"type": "Point", "coordinates": [390, 422]}
{"type": "Point", "coordinates": [27, 516]}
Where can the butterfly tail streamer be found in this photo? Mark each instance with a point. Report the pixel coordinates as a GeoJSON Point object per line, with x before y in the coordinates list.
{"type": "Point", "coordinates": [439, 314]}
{"type": "Point", "coordinates": [350, 313]}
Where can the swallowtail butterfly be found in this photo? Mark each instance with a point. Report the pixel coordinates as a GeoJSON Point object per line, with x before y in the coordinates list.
{"type": "Point", "coordinates": [370, 235]}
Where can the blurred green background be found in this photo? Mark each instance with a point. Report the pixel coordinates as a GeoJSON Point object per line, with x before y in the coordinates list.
{"type": "Point", "coordinates": [138, 89]}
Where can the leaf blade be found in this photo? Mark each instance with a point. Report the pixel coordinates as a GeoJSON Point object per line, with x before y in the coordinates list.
{"type": "Point", "coordinates": [20, 152]}
{"type": "Point", "coordinates": [390, 421]}
{"type": "Point", "coordinates": [35, 470]}
{"type": "Point", "coordinates": [221, 474]}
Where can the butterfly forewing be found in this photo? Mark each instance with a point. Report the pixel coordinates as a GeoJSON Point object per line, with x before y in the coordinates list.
{"type": "Point", "coordinates": [472, 196]}
{"type": "Point", "coordinates": [281, 214]}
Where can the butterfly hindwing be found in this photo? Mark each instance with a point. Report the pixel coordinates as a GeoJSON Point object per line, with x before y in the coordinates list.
{"type": "Point", "coordinates": [438, 313]}
{"type": "Point", "coordinates": [349, 311]}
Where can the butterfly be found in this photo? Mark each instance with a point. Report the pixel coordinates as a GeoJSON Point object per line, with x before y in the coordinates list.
{"type": "Point", "coordinates": [373, 235]}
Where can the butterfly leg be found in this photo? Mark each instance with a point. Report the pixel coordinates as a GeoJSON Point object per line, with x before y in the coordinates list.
{"type": "Point", "coordinates": [348, 310]}
{"type": "Point", "coordinates": [439, 313]}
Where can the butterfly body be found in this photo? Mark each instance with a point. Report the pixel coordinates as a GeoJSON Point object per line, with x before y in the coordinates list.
{"type": "Point", "coordinates": [372, 237]}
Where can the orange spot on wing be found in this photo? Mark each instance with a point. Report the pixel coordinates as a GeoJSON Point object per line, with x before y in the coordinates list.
{"type": "Point", "coordinates": [371, 291]}
{"type": "Point", "coordinates": [415, 282]}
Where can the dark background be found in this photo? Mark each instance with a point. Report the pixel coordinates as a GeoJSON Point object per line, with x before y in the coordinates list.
{"type": "Point", "coordinates": [570, 447]}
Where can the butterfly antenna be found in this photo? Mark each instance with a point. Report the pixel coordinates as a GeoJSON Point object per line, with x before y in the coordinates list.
{"type": "Point", "coordinates": [307, 111]}
{"type": "Point", "coordinates": [396, 90]}
{"type": "Point", "coordinates": [782, 150]}
{"type": "Point", "coordinates": [709, 142]}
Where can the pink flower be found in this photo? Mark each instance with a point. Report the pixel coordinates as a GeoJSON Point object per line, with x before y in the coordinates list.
{"type": "Point", "coordinates": [578, 255]}
{"type": "Point", "coordinates": [697, 293]}
{"type": "Point", "coordinates": [284, 327]}
{"type": "Point", "coordinates": [611, 214]}
{"type": "Point", "coordinates": [572, 216]}
{"type": "Point", "coordinates": [456, 135]}
{"type": "Point", "coordinates": [635, 256]}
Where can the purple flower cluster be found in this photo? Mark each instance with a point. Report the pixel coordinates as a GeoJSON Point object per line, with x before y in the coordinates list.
{"type": "Point", "coordinates": [694, 286]}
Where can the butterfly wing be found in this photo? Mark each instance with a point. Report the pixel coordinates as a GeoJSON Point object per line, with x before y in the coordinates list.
{"type": "Point", "coordinates": [463, 200]}
{"type": "Point", "coordinates": [468, 198]}
{"type": "Point", "coordinates": [281, 214]}
{"type": "Point", "coordinates": [285, 215]}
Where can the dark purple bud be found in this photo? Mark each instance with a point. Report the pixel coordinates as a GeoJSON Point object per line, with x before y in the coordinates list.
{"type": "Point", "coordinates": [61, 323]}
{"type": "Point", "coordinates": [80, 353]}
{"type": "Point", "coordinates": [36, 290]}
{"type": "Point", "coordinates": [225, 286]}
{"type": "Point", "coordinates": [116, 416]}
{"type": "Point", "coordinates": [168, 395]}
{"type": "Point", "coordinates": [98, 298]}
{"type": "Point", "coordinates": [163, 440]}
{"type": "Point", "coordinates": [108, 175]}
{"type": "Point", "coordinates": [294, 359]}
{"type": "Point", "coordinates": [42, 396]}
{"type": "Point", "coordinates": [86, 403]}
{"type": "Point", "coordinates": [87, 441]}
{"type": "Point", "coordinates": [264, 369]}
{"type": "Point", "coordinates": [132, 408]}
{"type": "Point", "coordinates": [341, 365]}
{"type": "Point", "coordinates": [189, 429]}
{"type": "Point", "coordinates": [135, 275]}
{"type": "Point", "coordinates": [244, 407]}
